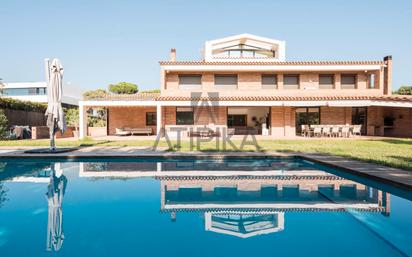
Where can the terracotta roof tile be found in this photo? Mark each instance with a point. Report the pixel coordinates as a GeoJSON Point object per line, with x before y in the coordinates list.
{"type": "Point", "coordinates": [273, 63]}
{"type": "Point", "coordinates": [286, 98]}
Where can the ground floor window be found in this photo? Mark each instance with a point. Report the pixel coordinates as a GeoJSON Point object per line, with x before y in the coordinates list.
{"type": "Point", "coordinates": [150, 119]}
{"type": "Point", "coordinates": [359, 117]}
{"type": "Point", "coordinates": [306, 116]}
{"type": "Point", "coordinates": [237, 120]}
{"type": "Point", "coordinates": [184, 116]}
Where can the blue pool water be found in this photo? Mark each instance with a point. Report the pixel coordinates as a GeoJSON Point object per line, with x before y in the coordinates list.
{"type": "Point", "coordinates": [197, 207]}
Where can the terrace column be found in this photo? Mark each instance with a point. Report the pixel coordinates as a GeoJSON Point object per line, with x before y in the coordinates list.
{"type": "Point", "coordinates": [158, 119]}
{"type": "Point", "coordinates": [82, 121]}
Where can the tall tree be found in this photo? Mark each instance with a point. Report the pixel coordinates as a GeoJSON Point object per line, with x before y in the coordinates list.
{"type": "Point", "coordinates": [123, 88]}
{"type": "Point", "coordinates": [404, 90]}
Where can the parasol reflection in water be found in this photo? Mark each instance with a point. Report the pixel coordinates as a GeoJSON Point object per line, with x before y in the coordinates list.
{"type": "Point", "coordinates": [55, 194]}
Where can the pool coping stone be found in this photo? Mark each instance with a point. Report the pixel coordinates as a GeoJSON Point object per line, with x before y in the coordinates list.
{"type": "Point", "coordinates": [393, 176]}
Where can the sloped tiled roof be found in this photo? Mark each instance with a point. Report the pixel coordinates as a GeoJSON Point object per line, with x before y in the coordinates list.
{"type": "Point", "coordinates": [158, 97]}
{"type": "Point", "coordinates": [273, 63]}
{"type": "Point", "coordinates": [397, 98]}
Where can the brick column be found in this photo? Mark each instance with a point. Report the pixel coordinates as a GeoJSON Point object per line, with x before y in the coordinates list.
{"type": "Point", "coordinates": [280, 81]}
{"type": "Point", "coordinates": [337, 81]}
{"type": "Point", "coordinates": [158, 119]}
{"type": "Point", "coordinates": [387, 73]}
{"type": "Point", "coordinates": [82, 120]}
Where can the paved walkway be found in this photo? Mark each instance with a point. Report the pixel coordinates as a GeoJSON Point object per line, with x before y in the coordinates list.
{"type": "Point", "coordinates": [396, 177]}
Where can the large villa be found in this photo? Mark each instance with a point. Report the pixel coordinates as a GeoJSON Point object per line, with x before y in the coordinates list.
{"type": "Point", "coordinates": [244, 84]}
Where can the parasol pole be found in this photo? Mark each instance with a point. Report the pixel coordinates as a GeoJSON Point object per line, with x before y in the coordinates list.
{"type": "Point", "coordinates": [47, 75]}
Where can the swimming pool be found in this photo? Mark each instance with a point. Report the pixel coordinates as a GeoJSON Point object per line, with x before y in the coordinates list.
{"type": "Point", "coordinates": [197, 207]}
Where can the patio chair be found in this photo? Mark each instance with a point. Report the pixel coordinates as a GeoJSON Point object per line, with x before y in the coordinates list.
{"type": "Point", "coordinates": [345, 131]}
{"type": "Point", "coordinates": [357, 130]}
{"type": "Point", "coordinates": [305, 131]}
{"type": "Point", "coordinates": [121, 132]}
{"type": "Point", "coordinates": [335, 131]}
{"type": "Point", "coordinates": [317, 131]}
{"type": "Point", "coordinates": [326, 131]}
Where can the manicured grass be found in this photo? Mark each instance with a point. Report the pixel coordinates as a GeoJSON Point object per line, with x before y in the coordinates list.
{"type": "Point", "coordinates": [390, 152]}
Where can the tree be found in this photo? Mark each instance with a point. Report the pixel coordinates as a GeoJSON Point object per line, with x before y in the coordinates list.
{"type": "Point", "coordinates": [72, 117]}
{"type": "Point", "coordinates": [123, 88]}
{"type": "Point", "coordinates": [3, 124]}
{"type": "Point", "coordinates": [404, 90]}
{"type": "Point", "coordinates": [96, 117]}
{"type": "Point", "coordinates": [94, 94]}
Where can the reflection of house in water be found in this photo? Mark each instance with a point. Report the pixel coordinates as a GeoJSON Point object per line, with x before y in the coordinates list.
{"type": "Point", "coordinates": [200, 167]}
{"type": "Point", "coordinates": [244, 224]}
{"type": "Point", "coordinates": [246, 198]}
{"type": "Point", "coordinates": [253, 205]}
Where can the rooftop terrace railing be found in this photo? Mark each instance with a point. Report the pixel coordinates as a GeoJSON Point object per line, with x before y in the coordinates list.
{"type": "Point", "coordinates": [122, 97]}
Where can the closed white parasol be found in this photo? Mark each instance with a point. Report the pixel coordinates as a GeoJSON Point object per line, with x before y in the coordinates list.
{"type": "Point", "coordinates": [55, 115]}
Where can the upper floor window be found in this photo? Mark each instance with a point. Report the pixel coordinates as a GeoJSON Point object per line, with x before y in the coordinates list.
{"type": "Point", "coordinates": [190, 81]}
{"type": "Point", "coordinates": [226, 81]}
{"type": "Point", "coordinates": [291, 81]}
{"type": "Point", "coordinates": [326, 81]}
{"type": "Point", "coordinates": [150, 119]}
{"type": "Point", "coordinates": [371, 81]}
{"type": "Point", "coordinates": [348, 81]}
{"type": "Point", "coordinates": [244, 51]}
{"type": "Point", "coordinates": [269, 81]}
{"type": "Point", "coordinates": [184, 116]}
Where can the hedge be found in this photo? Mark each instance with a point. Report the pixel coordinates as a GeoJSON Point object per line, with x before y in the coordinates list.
{"type": "Point", "coordinates": [14, 104]}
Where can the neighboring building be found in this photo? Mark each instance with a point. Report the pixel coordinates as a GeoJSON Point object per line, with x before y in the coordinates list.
{"type": "Point", "coordinates": [34, 92]}
{"type": "Point", "coordinates": [251, 88]}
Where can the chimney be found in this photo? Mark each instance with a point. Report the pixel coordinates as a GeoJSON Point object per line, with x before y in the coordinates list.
{"type": "Point", "coordinates": [173, 54]}
{"type": "Point", "coordinates": [387, 75]}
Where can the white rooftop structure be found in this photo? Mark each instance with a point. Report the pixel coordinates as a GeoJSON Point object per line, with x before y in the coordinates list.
{"type": "Point", "coordinates": [37, 92]}
{"type": "Point", "coordinates": [245, 48]}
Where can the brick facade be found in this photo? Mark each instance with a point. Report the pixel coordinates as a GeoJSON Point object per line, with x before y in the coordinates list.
{"type": "Point", "coordinates": [400, 121]}
{"type": "Point", "coordinates": [249, 84]}
{"type": "Point", "coordinates": [203, 115]}
{"type": "Point", "coordinates": [282, 119]}
{"type": "Point", "coordinates": [132, 117]}
{"type": "Point", "coordinates": [335, 115]}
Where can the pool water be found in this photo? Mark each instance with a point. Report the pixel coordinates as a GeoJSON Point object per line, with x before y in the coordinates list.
{"type": "Point", "coordinates": [197, 207]}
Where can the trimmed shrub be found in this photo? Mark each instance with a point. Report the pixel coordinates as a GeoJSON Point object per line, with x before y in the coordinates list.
{"type": "Point", "coordinates": [14, 104]}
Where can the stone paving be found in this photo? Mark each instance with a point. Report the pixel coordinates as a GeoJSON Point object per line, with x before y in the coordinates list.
{"type": "Point", "coordinates": [396, 177]}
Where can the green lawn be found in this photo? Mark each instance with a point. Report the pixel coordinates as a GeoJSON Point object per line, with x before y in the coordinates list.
{"type": "Point", "coordinates": [390, 152]}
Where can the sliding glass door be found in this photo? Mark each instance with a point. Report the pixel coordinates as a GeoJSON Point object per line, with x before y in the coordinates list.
{"type": "Point", "coordinates": [360, 117]}
{"type": "Point", "coordinates": [306, 116]}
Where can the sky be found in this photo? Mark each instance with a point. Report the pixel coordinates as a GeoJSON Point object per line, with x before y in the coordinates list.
{"type": "Point", "coordinates": [103, 42]}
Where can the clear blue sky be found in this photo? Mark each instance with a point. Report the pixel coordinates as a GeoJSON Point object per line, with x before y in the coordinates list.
{"type": "Point", "coordinates": [101, 42]}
